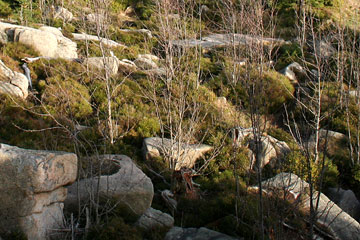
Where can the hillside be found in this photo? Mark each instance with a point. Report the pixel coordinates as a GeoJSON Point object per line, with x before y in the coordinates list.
{"type": "Point", "coordinates": [179, 119]}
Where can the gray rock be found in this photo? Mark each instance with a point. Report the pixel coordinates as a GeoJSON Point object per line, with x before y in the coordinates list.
{"type": "Point", "coordinates": [271, 148]}
{"type": "Point", "coordinates": [130, 12]}
{"type": "Point", "coordinates": [330, 216]}
{"type": "Point", "coordinates": [149, 56]}
{"type": "Point", "coordinates": [354, 93]}
{"type": "Point", "coordinates": [109, 64]}
{"type": "Point", "coordinates": [154, 218]}
{"type": "Point", "coordinates": [186, 156]}
{"type": "Point", "coordinates": [88, 37]}
{"type": "Point", "coordinates": [267, 155]}
{"type": "Point", "coordinates": [168, 197]}
{"type": "Point", "coordinates": [63, 13]}
{"type": "Point", "coordinates": [178, 233]}
{"type": "Point", "coordinates": [128, 186]}
{"type": "Point", "coordinates": [3, 38]}
{"type": "Point", "coordinates": [324, 49]}
{"type": "Point", "coordinates": [39, 226]}
{"type": "Point", "coordinates": [205, 9]}
{"type": "Point", "coordinates": [145, 63]}
{"type": "Point", "coordinates": [222, 40]}
{"type": "Point", "coordinates": [323, 134]}
{"type": "Point", "coordinates": [346, 200]}
{"type": "Point", "coordinates": [95, 17]}
{"type": "Point", "coordinates": [291, 69]}
{"type": "Point", "coordinates": [158, 72]}
{"type": "Point", "coordinates": [46, 42]}
{"type": "Point", "coordinates": [127, 66]}
{"type": "Point", "coordinates": [13, 83]}
{"type": "Point", "coordinates": [31, 189]}
{"type": "Point", "coordinates": [52, 30]}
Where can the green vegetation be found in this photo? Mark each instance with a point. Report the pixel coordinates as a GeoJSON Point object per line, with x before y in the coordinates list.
{"type": "Point", "coordinates": [181, 104]}
{"type": "Point", "coordinates": [5, 9]}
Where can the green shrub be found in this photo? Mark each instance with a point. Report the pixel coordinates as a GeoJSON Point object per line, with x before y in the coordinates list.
{"type": "Point", "coordinates": [268, 92]}
{"type": "Point", "coordinates": [90, 49]}
{"type": "Point", "coordinates": [281, 135]}
{"type": "Point", "coordinates": [67, 98]}
{"type": "Point", "coordinates": [5, 10]}
{"type": "Point", "coordinates": [115, 229]}
{"type": "Point", "coordinates": [298, 164]}
{"type": "Point", "coordinates": [18, 51]}
{"type": "Point", "coordinates": [287, 54]}
{"type": "Point", "coordinates": [148, 127]}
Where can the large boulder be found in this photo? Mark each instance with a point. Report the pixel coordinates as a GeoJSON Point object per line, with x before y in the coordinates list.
{"type": "Point", "coordinates": [13, 83]}
{"type": "Point", "coordinates": [153, 218]}
{"type": "Point", "coordinates": [323, 133]}
{"type": "Point", "coordinates": [128, 186]}
{"type": "Point", "coordinates": [183, 155]}
{"type": "Point", "coordinates": [144, 62]}
{"type": "Point", "coordinates": [271, 148]}
{"type": "Point", "coordinates": [109, 64]}
{"type": "Point", "coordinates": [149, 56]}
{"type": "Point", "coordinates": [48, 43]}
{"type": "Point", "coordinates": [32, 189]}
{"type": "Point", "coordinates": [329, 216]}
{"type": "Point", "coordinates": [292, 70]}
{"type": "Point", "coordinates": [223, 40]}
{"type": "Point", "coordinates": [178, 233]}
{"type": "Point", "coordinates": [53, 30]}
{"type": "Point", "coordinates": [346, 200]}
{"type": "Point", "coordinates": [331, 138]}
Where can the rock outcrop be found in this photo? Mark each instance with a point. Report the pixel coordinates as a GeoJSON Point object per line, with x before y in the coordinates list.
{"type": "Point", "coordinates": [333, 140]}
{"type": "Point", "coordinates": [52, 30]}
{"type": "Point", "coordinates": [330, 217]}
{"type": "Point", "coordinates": [346, 200]}
{"type": "Point", "coordinates": [13, 83]}
{"type": "Point", "coordinates": [178, 233]}
{"type": "Point", "coordinates": [88, 37]}
{"type": "Point", "coordinates": [3, 38]}
{"type": "Point", "coordinates": [149, 56]}
{"type": "Point", "coordinates": [153, 218]}
{"type": "Point", "coordinates": [128, 186]}
{"type": "Point", "coordinates": [127, 66]}
{"type": "Point", "coordinates": [222, 40]}
{"type": "Point", "coordinates": [291, 70]}
{"type": "Point", "coordinates": [323, 133]}
{"type": "Point", "coordinates": [47, 43]}
{"type": "Point", "coordinates": [271, 148]}
{"type": "Point", "coordinates": [146, 62]}
{"type": "Point", "coordinates": [183, 156]}
{"type": "Point", "coordinates": [62, 13]}
{"type": "Point", "coordinates": [109, 64]}
{"type": "Point", "coordinates": [32, 189]}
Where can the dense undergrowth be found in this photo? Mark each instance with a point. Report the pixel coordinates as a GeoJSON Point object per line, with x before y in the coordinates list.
{"type": "Point", "coordinates": [66, 96]}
